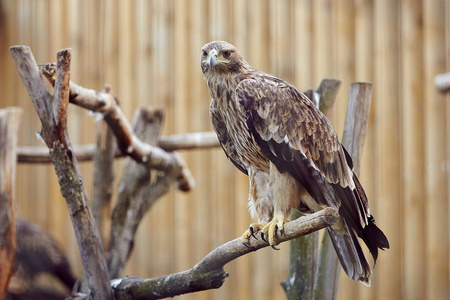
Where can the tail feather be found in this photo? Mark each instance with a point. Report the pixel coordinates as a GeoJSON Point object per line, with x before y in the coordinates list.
{"type": "Point", "coordinates": [374, 238]}
{"type": "Point", "coordinates": [350, 254]}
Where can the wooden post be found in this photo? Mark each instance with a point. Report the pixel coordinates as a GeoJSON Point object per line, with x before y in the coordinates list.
{"type": "Point", "coordinates": [436, 155]}
{"type": "Point", "coordinates": [9, 128]}
{"type": "Point", "coordinates": [388, 204]}
{"type": "Point", "coordinates": [328, 272]}
{"type": "Point", "coordinates": [413, 144]}
{"type": "Point", "coordinates": [304, 250]}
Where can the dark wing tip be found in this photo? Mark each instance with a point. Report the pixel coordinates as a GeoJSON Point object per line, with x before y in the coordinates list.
{"type": "Point", "coordinates": [374, 238]}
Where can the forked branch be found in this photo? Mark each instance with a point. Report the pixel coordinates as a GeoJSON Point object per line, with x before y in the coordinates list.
{"type": "Point", "coordinates": [52, 111]}
{"type": "Point", "coordinates": [151, 156]}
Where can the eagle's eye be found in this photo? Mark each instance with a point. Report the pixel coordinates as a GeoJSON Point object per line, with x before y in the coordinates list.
{"type": "Point", "coordinates": [226, 54]}
{"type": "Point", "coordinates": [204, 53]}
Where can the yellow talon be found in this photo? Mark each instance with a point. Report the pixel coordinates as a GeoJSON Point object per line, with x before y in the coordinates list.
{"type": "Point", "coordinates": [270, 230]}
{"type": "Point", "coordinates": [254, 227]}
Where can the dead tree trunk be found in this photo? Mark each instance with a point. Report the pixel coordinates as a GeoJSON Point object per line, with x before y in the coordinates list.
{"type": "Point", "coordinates": [52, 111]}
{"type": "Point", "coordinates": [9, 129]}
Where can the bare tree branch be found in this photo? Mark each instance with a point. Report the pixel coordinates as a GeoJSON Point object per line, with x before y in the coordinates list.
{"type": "Point", "coordinates": [186, 141]}
{"type": "Point", "coordinates": [209, 273]}
{"type": "Point", "coordinates": [9, 130]}
{"type": "Point", "coordinates": [139, 190]}
{"type": "Point", "coordinates": [151, 156]}
{"type": "Point", "coordinates": [103, 174]}
{"type": "Point", "coordinates": [52, 111]}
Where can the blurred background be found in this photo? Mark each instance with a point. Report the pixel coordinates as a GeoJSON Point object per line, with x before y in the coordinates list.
{"type": "Point", "coordinates": [149, 52]}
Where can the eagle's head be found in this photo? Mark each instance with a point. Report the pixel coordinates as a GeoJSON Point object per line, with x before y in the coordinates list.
{"type": "Point", "coordinates": [220, 57]}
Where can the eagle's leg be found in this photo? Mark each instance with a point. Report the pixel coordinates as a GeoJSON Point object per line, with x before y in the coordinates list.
{"type": "Point", "coordinates": [250, 232]}
{"type": "Point", "coordinates": [285, 192]}
{"type": "Point", "coordinates": [260, 203]}
{"type": "Point", "coordinates": [270, 230]}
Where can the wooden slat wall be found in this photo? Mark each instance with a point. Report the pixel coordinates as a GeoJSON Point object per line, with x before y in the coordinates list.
{"type": "Point", "coordinates": [149, 52]}
{"type": "Point", "coordinates": [414, 169]}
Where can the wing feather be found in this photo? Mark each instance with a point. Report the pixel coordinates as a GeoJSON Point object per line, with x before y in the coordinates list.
{"type": "Point", "coordinates": [225, 141]}
{"type": "Point", "coordinates": [300, 140]}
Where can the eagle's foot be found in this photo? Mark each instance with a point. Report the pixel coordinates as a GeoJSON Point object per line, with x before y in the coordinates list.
{"type": "Point", "coordinates": [254, 227]}
{"type": "Point", "coordinates": [270, 230]}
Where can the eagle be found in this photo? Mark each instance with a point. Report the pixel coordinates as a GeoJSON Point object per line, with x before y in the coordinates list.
{"type": "Point", "coordinates": [292, 155]}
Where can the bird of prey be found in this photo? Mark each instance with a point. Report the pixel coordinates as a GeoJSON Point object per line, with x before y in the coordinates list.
{"type": "Point", "coordinates": [273, 133]}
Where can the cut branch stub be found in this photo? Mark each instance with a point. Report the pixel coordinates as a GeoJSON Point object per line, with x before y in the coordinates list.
{"type": "Point", "coordinates": [60, 101]}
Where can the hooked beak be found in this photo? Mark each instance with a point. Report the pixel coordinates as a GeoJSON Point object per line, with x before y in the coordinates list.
{"type": "Point", "coordinates": [212, 59]}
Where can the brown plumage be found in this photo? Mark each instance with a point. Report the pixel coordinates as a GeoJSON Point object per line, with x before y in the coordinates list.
{"type": "Point", "coordinates": [273, 133]}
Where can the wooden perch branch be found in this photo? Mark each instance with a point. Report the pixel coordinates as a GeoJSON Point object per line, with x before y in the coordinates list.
{"type": "Point", "coordinates": [52, 111]}
{"type": "Point", "coordinates": [187, 141]}
{"type": "Point", "coordinates": [175, 142]}
{"type": "Point", "coordinates": [151, 156]}
{"type": "Point", "coordinates": [9, 130]}
{"type": "Point", "coordinates": [209, 273]}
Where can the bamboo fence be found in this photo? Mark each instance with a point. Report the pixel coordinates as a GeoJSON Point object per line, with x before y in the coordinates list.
{"type": "Point", "coordinates": [149, 52]}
